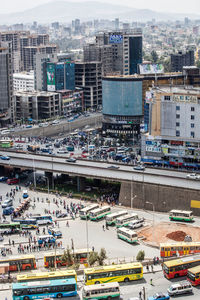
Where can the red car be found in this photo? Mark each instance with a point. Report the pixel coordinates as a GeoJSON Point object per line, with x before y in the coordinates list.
{"type": "Point", "coordinates": [12, 181]}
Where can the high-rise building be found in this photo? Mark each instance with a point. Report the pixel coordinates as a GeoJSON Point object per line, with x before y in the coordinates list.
{"type": "Point", "coordinates": [7, 113]}
{"type": "Point", "coordinates": [126, 50]}
{"type": "Point", "coordinates": [65, 75]}
{"type": "Point", "coordinates": [88, 77]}
{"type": "Point", "coordinates": [180, 60]}
{"type": "Point", "coordinates": [40, 62]}
{"type": "Point", "coordinates": [30, 52]}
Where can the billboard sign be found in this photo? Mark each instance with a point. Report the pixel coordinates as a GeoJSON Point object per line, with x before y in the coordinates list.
{"type": "Point", "coordinates": [151, 69]}
{"type": "Point", "coordinates": [115, 39]}
{"type": "Point", "coordinates": [51, 81]}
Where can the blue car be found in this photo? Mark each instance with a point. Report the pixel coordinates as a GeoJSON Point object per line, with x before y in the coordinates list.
{"type": "Point", "coordinates": [8, 211]}
{"type": "Point", "coordinates": [3, 178]}
{"type": "Point", "coordinates": [159, 296]}
{"type": "Point", "coordinates": [4, 157]}
{"type": "Point", "coordinates": [56, 233]}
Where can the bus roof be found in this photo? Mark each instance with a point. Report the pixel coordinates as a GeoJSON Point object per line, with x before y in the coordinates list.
{"type": "Point", "coordinates": [99, 286]}
{"type": "Point", "coordinates": [127, 230]}
{"type": "Point", "coordinates": [39, 275]}
{"type": "Point", "coordinates": [181, 211]}
{"type": "Point", "coordinates": [179, 244]}
{"type": "Point", "coordinates": [17, 258]}
{"type": "Point", "coordinates": [175, 262]}
{"type": "Point", "coordinates": [195, 269]}
{"type": "Point", "coordinates": [75, 252]}
{"type": "Point", "coordinates": [100, 208]}
{"type": "Point", "coordinates": [47, 236]}
{"type": "Point", "coordinates": [116, 213]}
{"type": "Point", "coordinates": [127, 216]}
{"type": "Point", "coordinates": [9, 224]}
{"type": "Point", "coordinates": [90, 207]}
{"type": "Point", "coordinates": [112, 268]}
{"type": "Point", "coordinates": [53, 282]}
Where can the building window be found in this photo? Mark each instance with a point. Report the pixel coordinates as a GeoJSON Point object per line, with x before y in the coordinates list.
{"type": "Point", "coordinates": [177, 124]}
{"type": "Point", "coordinates": [167, 98]}
{"type": "Point", "coordinates": [192, 125]}
{"type": "Point", "coordinates": [192, 108]}
{"type": "Point", "coordinates": [192, 134]}
{"type": "Point", "coordinates": [177, 133]}
{"type": "Point", "coordinates": [177, 107]}
{"type": "Point", "coordinates": [177, 116]}
{"type": "Point", "coordinates": [192, 117]}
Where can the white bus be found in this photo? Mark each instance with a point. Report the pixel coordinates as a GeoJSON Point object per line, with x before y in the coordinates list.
{"type": "Point", "coordinates": [125, 220]}
{"type": "Point", "coordinates": [99, 213]}
{"type": "Point", "coordinates": [84, 212]}
{"type": "Point", "coordinates": [101, 291]}
{"type": "Point", "coordinates": [127, 235]}
{"type": "Point", "coordinates": [181, 215]}
{"type": "Point", "coordinates": [111, 219]}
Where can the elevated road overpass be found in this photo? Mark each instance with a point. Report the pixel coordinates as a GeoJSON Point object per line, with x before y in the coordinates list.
{"type": "Point", "coordinates": [167, 188]}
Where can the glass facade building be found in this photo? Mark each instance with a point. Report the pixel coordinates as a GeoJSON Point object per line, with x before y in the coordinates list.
{"type": "Point", "coordinates": [135, 53]}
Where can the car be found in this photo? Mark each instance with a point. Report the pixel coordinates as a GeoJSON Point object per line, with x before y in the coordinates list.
{"type": "Point", "coordinates": [12, 181]}
{"type": "Point", "coordinates": [55, 122]}
{"type": "Point", "coordinates": [7, 203]}
{"type": "Point", "coordinates": [62, 151]}
{"type": "Point", "coordinates": [139, 168]}
{"type": "Point", "coordinates": [71, 159]}
{"type": "Point", "coordinates": [8, 210]}
{"type": "Point", "coordinates": [193, 176]}
{"type": "Point", "coordinates": [55, 232]}
{"type": "Point", "coordinates": [62, 215]}
{"type": "Point", "coordinates": [5, 157]}
{"type": "Point", "coordinates": [3, 178]}
{"type": "Point", "coordinates": [113, 167]}
{"type": "Point", "coordinates": [29, 126]}
{"type": "Point", "coordinates": [159, 296]}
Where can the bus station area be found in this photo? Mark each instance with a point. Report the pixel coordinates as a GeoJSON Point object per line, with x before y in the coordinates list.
{"type": "Point", "coordinates": [45, 225]}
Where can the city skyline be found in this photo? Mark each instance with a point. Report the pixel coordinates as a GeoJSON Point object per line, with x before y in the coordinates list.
{"type": "Point", "coordinates": [11, 6]}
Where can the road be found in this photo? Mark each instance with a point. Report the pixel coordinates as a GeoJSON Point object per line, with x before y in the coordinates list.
{"type": "Point", "coordinates": [86, 168]}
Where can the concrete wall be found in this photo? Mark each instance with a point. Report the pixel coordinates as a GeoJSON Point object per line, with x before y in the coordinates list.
{"type": "Point", "coordinates": [54, 130]}
{"type": "Point", "coordinates": [164, 198]}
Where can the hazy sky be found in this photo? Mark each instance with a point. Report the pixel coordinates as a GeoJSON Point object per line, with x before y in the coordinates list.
{"type": "Point", "coordinates": [192, 6]}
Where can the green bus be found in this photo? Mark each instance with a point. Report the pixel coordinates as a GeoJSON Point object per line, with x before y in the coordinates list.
{"type": "Point", "coordinates": [84, 212]}
{"type": "Point", "coordinates": [111, 219]}
{"type": "Point", "coordinates": [181, 215]}
{"type": "Point", "coordinates": [101, 291]}
{"type": "Point", "coordinates": [127, 235]}
{"type": "Point", "coordinates": [125, 220]}
{"type": "Point", "coordinates": [99, 213]}
{"type": "Point", "coordinates": [5, 226]}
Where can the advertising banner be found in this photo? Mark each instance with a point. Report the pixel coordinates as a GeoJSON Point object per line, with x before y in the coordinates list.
{"type": "Point", "coordinates": [151, 69]}
{"type": "Point", "coordinates": [51, 81]}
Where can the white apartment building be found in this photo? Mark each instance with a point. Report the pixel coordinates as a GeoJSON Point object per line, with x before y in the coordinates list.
{"type": "Point", "coordinates": [23, 81]}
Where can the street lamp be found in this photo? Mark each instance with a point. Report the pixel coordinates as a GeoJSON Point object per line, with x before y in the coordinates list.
{"type": "Point", "coordinates": [147, 202]}
{"type": "Point", "coordinates": [48, 185]}
{"type": "Point", "coordinates": [34, 176]}
{"type": "Point", "coordinates": [87, 239]}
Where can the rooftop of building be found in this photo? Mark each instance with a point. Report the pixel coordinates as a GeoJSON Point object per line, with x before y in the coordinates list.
{"type": "Point", "coordinates": [34, 93]}
{"type": "Point", "coordinates": [24, 75]}
{"type": "Point", "coordinates": [181, 89]}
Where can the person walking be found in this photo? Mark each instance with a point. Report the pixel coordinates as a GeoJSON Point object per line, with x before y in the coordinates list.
{"type": "Point", "coordinates": [151, 281]}
{"type": "Point", "coordinates": [140, 295]}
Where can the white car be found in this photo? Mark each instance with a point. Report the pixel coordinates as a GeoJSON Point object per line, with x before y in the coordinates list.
{"type": "Point", "coordinates": [193, 176]}
{"type": "Point", "coordinates": [55, 122]}
{"type": "Point", "coordinates": [62, 151]}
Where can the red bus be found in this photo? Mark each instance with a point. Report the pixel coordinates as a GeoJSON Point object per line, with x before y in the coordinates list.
{"type": "Point", "coordinates": [80, 257]}
{"type": "Point", "coordinates": [179, 248]}
{"type": "Point", "coordinates": [20, 263]}
{"type": "Point", "coordinates": [193, 275]}
{"type": "Point", "coordinates": [179, 267]}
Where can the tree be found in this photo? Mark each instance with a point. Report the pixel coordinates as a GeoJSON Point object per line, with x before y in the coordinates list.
{"type": "Point", "coordinates": [93, 258]}
{"type": "Point", "coordinates": [67, 257]}
{"type": "Point", "coordinates": [140, 256]}
{"type": "Point", "coordinates": [154, 56]}
{"type": "Point", "coordinates": [102, 256]}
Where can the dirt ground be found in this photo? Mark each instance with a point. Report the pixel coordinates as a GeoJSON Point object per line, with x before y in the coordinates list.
{"type": "Point", "coordinates": [158, 233]}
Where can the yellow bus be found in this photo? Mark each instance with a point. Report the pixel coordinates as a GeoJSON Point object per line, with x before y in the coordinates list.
{"type": "Point", "coordinates": [47, 275]}
{"type": "Point", "coordinates": [113, 273]}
